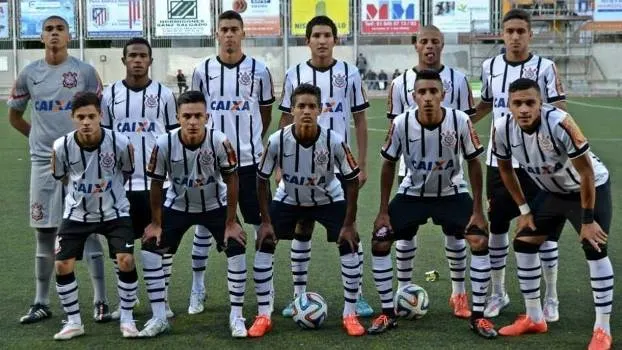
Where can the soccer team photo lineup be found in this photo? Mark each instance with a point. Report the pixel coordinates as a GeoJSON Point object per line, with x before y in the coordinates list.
{"type": "Point", "coordinates": [137, 166]}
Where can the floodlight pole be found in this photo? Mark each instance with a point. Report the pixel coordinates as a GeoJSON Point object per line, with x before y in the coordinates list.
{"type": "Point", "coordinates": [14, 20]}
{"type": "Point", "coordinates": [284, 10]}
{"type": "Point", "coordinates": [81, 17]}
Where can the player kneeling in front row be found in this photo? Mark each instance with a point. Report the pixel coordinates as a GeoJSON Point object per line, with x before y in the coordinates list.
{"type": "Point", "coordinates": [433, 140]}
{"type": "Point", "coordinates": [95, 163]}
{"type": "Point", "coordinates": [202, 168]}
{"type": "Point", "coordinates": [575, 186]}
{"type": "Point", "coordinates": [307, 155]}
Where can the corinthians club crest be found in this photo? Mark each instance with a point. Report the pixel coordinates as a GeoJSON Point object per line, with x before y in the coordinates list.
{"type": "Point", "coordinates": [36, 211]}
{"type": "Point", "coordinates": [447, 85]}
{"type": "Point", "coordinates": [70, 80]}
{"type": "Point", "coordinates": [321, 156]}
{"type": "Point", "coordinates": [530, 73]}
{"type": "Point", "coordinates": [206, 157]}
{"type": "Point", "coordinates": [151, 101]}
{"type": "Point", "coordinates": [244, 78]}
{"type": "Point", "coordinates": [106, 160]}
{"type": "Point", "coordinates": [545, 143]}
{"type": "Point", "coordinates": [339, 80]}
{"type": "Point", "coordinates": [448, 138]}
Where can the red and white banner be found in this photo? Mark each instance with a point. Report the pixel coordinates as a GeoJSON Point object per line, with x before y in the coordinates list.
{"type": "Point", "coordinates": [261, 18]}
{"type": "Point", "coordinates": [114, 18]}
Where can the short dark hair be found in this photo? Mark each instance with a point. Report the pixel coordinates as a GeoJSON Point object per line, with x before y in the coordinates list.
{"type": "Point", "coordinates": [428, 74]}
{"type": "Point", "coordinates": [136, 41]}
{"type": "Point", "coordinates": [321, 21]}
{"type": "Point", "coordinates": [522, 84]}
{"type": "Point", "coordinates": [517, 14]}
{"type": "Point", "coordinates": [307, 89]}
{"type": "Point", "coordinates": [54, 17]}
{"type": "Point", "coordinates": [191, 96]}
{"type": "Point", "coordinates": [83, 99]}
{"type": "Point", "coordinates": [230, 14]}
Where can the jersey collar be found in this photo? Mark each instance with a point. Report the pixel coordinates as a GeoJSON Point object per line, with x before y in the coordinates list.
{"type": "Point", "coordinates": [414, 69]}
{"type": "Point", "coordinates": [307, 143]}
{"type": "Point", "coordinates": [431, 127]}
{"type": "Point", "coordinates": [228, 65]}
{"type": "Point", "coordinates": [322, 69]}
{"type": "Point", "coordinates": [136, 89]}
{"type": "Point", "coordinates": [192, 147]}
{"type": "Point", "coordinates": [517, 63]}
{"type": "Point", "coordinates": [92, 148]}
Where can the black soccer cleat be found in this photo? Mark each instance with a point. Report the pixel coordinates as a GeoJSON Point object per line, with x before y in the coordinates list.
{"type": "Point", "coordinates": [101, 312]}
{"type": "Point", "coordinates": [483, 327]}
{"type": "Point", "coordinates": [38, 312]}
{"type": "Point", "coordinates": [382, 324]}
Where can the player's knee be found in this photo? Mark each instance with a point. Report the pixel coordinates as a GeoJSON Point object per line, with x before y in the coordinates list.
{"type": "Point", "coordinates": [234, 248]}
{"type": "Point", "coordinates": [63, 267]}
{"type": "Point", "coordinates": [535, 240]}
{"type": "Point", "coordinates": [593, 254]}
{"type": "Point", "coordinates": [379, 248]}
{"type": "Point", "coordinates": [267, 246]}
{"type": "Point", "coordinates": [345, 248]}
{"type": "Point", "coordinates": [304, 230]}
{"type": "Point", "coordinates": [125, 262]}
{"type": "Point", "coordinates": [499, 227]}
{"type": "Point", "coordinates": [525, 245]}
{"type": "Point", "coordinates": [477, 243]}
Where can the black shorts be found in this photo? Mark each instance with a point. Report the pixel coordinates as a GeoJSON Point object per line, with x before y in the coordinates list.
{"type": "Point", "coordinates": [501, 207]}
{"type": "Point", "coordinates": [140, 210]}
{"type": "Point", "coordinates": [72, 235]}
{"type": "Point", "coordinates": [247, 194]}
{"type": "Point", "coordinates": [175, 223]}
{"type": "Point", "coordinates": [551, 210]}
{"type": "Point", "coordinates": [285, 217]}
{"type": "Point", "coordinates": [407, 213]}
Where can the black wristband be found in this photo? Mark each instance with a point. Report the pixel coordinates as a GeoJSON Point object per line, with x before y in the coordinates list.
{"type": "Point", "coordinates": [588, 216]}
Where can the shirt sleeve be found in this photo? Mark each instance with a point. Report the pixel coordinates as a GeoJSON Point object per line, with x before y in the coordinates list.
{"type": "Point", "coordinates": [571, 136]}
{"type": "Point", "coordinates": [554, 88]}
{"type": "Point", "coordinates": [59, 164]}
{"type": "Point", "coordinates": [198, 82]}
{"type": "Point", "coordinates": [170, 112]}
{"type": "Point", "coordinates": [157, 166]}
{"type": "Point", "coordinates": [268, 159]}
{"type": "Point", "coordinates": [358, 96]}
{"type": "Point", "coordinates": [395, 104]}
{"type": "Point", "coordinates": [266, 88]}
{"type": "Point", "coordinates": [20, 95]}
{"type": "Point", "coordinates": [345, 161]}
{"type": "Point", "coordinates": [392, 148]}
{"type": "Point", "coordinates": [486, 93]}
{"type": "Point", "coordinates": [469, 141]}
{"type": "Point", "coordinates": [467, 105]}
{"type": "Point", "coordinates": [227, 159]}
{"type": "Point", "coordinates": [127, 157]}
{"type": "Point", "coordinates": [106, 108]}
{"type": "Point", "coordinates": [500, 147]}
{"type": "Point", "coordinates": [286, 95]}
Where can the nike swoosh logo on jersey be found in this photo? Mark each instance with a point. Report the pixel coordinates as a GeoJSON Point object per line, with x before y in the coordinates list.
{"type": "Point", "coordinates": [74, 163]}
{"type": "Point", "coordinates": [413, 140]}
{"type": "Point", "coordinates": [496, 75]}
{"type": "Point", "coordinates": [212, 77]}
{"type": "Point", "coordinates": [37, 82]}
{"type": "Point", "coordinates": [176, 161]}
{"type": "Point", "coordinates": [288, 155]}
{"type": "Point", "coordinates": [411, 90]}
{"type": "Point", "coordinates": [117, 102]}
{"type": "Point", "coordinates": [518, 145]}
{"type": "Point", "coordinates": [127, 245]}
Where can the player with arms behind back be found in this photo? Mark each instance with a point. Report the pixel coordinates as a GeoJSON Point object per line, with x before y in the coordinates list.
{"type": "Point", "coordinates": [51, 83]}
{"type": "Point", "coordinates": [429, 46]}
{"type": "Point", "coordinates": [141, 109]}
{"type": "Point", "coordinates": [497, 74]}
{"type": "Point", "coordinates": [575, 187]}
{"type": "Point", "coordinates": [239, 94]}
{"type": "Point", "coordinates": [343, 98]}
{"type": "Point", "coordinates": [95, 163]}
{"type": "Point", "coordinates": [434, 141]}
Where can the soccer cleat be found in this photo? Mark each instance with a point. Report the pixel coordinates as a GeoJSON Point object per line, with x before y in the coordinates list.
{"type": "Point", "coordinates": [116, 314]}
{"type": "Point", "coordinates": [153, 327]}
{"type": "Point", "coordinates": [261, 326]}
{"type": "Point", "coordinates": [551, 310]}
{"type": "Point", "coordinates": [363, 309]}
{"type": "Point", "coordinates": [600, 340]}
{"type": "Point", "coordinates": [460, 305]}
{"type": "Point", "coordinates": [69, 330]}
{"type": "Point", "coordinates": [37, 312]}
{"type": "Point", "coordinates": [101, 312]}
{"type": "Point", "coordinates": [169, 312]}
{"type": "Point", "coordinates": [483, 327]}
{"type": "Point", "coordinates": [129, 330]}
{"type": "Point", "coordinates": [382, 324]}
{"type": "Point", "coordinates": [352, 325]}
{"type": "Point", "coordinates": [288, 311]}
{"type": "Point", "coordinates": [495, 303]}
{"type": "Point", "coordinates": [523, 325]}
{"type": "Point", "coordinates": [196, 303]}
{"type": "Point", "coordinates": [238, 328]}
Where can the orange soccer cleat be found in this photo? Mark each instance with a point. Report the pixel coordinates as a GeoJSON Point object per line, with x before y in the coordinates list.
{"type": "Point", "coordinates": [352, 325]}
{"type": "Point", "coordinates": [460, 305]}
{"type": "Point", "coordinates": [600, 340]}
{"type": "Point", "coordinates": [524, 325]}
{"type": "Point", "coordinates": [261, 326]}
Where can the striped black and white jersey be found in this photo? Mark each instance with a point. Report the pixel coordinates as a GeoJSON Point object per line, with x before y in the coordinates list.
{"type": "Point", "coordinates": [433, 156]}
{"type": "Point", "coordinates": [308, 176]}
{"type": "Point", "coordinates": [141, 115]}
{"type": "Point", "coordinates": [95, 175]}
{"type": "Point", "coordinates": [498, 74]}
{"type": "Point", "coordinates": [234, 93]}
{"type": "Point", "coordinates": [342, 93]}
{"type": "Point", "coordinates": [546, 153]}
{"type": "Point", "coordinates": [458, 94]}
{"type": "Point", "coordinates": [195, 172]}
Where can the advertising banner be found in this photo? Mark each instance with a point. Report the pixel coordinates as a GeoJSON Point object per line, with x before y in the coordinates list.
{"type": "Point", "coordinates": [458, 16]}
{"type": "Point", "coordinates": [33, 13]}
{"type": "Point", "coordinates": [175, 18]}
{"type": "Point", "coordinates": [261, 17]}
{"type": "Point", "coordinates": [114, 18]}
{"type": "Point", "coordinates": [303, 10]}
{"type": "Point", "coordinates": [390, 17]}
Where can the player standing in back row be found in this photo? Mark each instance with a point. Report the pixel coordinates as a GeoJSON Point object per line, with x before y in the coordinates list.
{"type": "Point", "coordinates": [497, 74]}
{"type": "Point", "coordinates": [141, 109]}
{"type": "Point", "coordinates": [343, 98]}
{"type": "Point", "coordinates": [51, 84]}
{"type": "Point", "coordinates": [239, 94]}
{"type": "Point", "coordinates": [429, 45]}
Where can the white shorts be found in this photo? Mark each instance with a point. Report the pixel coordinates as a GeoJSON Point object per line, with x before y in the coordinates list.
{"type": "Point", "coordinates": [46, 197]}
{"type": "Point", "coordinates": [402, 170]}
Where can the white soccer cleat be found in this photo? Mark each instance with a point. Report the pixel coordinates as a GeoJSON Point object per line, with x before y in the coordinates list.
{"type": "Point", "coordinates": [196, 303]}
{"type": "Point", "coordinates": [495, 303]}
{"type": "Point", "coordinates": [238, 328]}
{"type": "Point", "coordinates": [153, 327]}
{"type": "Point", "coordinates": [169, 312]}
{"type": "Point", "coordinates": [116, 314]}
{"type": "Point", "coordinates": [69, 330]}
{"type": "Point", "coordinates": [551, 310]}
{"type": "Point", "coordinates": [129, 330]}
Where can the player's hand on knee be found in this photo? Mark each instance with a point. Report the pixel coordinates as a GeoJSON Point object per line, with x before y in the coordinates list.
{"type": "Point", "coordinates": [265, 232]}
{"type": "Point", "coordinates": [348, 235]}
{"type": "Point", "coordinates": [382, 220]}
{"type": "Point", "coordinates": [152, 231]}
{"type": "Point", "coordinates": [593, 234]}
{"type": "Point", "coordinates": [477, 220]}
{"type": "Point", "coordinates": [525, 223]}
{"type": "Point", "coordinates": [234, 231]}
